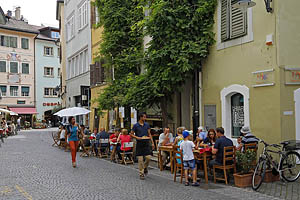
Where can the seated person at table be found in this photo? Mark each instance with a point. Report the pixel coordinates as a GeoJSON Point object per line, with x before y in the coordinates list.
{"type": "Point", "coordinates": [62, 136]}
{"type": "Point", "coordinates": [201, 135]}
{"type": "Point", "coordinates": [239, 145]}
{"type": "Point", "coordinates": [210, 140]}
{"type": "Point", "coordinates": [114, 145]}
{"type": "Point", "coordinates": [102, 135]}
{"type": "Point", "coordinates": [218, 148]}
{"type": "Point", "coordinates": [124, 137]}
{"type": "Point", "coordinates": [93, 142]}
{"type": "Point", "coordinates": [248, 137]}
{"type": "Point", "coordinates": [189, 162]}
{"type": "Point", "coordinates": [165, 139]}
{"type": "Point", "coordinates": [179, 136]}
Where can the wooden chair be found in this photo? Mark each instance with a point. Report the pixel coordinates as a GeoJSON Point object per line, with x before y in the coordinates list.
{"type": "Point", "coordinates": [252, 147]}
{"type": "Point", "coordinates": [127, 156]}
{"type": "Point", "coordinates": [55, 137]}
{"type": "Point", "coordinates": [103, 143]}
{"type": "Point", "coordinates": [178, 166]}
{"type": "Point", "coordinates": [86, 150]}
{"type": "Point", "coordinates": [229, 156]}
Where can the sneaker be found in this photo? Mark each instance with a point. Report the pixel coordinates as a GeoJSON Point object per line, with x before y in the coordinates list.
{"type": "Point", "coordinates": [142, 177]}
{"type": "Point", "coordinates": [195, 184]}
{"type": "Point", "coordinates": [187, 184]}
{"type": "Point", "coordinates": [146, 171]}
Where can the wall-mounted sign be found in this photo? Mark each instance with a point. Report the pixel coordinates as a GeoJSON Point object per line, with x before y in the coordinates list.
{"type": "Point", "coordinates": [292, 76]}
{"type": "Point", "coordinates": [263, 78]}
{"type": "Point", "coordinates": [14, 78]}
{"type": "Point", "coordinates": [51, 104]}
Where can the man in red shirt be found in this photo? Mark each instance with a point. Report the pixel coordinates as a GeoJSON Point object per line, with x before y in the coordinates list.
{"type": "Point", "coordinates": [113, 144]}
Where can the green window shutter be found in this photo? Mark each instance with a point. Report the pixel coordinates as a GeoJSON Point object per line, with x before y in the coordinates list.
{"type": "Point", "coordinates": [14, 67]}
{"type": "Point", "coordinates": [25, 43]}
{"type": "Point", "coordinates": [224, 20]}
{"type": "Point", "coordinates": [13, 42]}
{"type": "Point", "coordinates": [238, 21]}
{"type": "Point", "coordinates": [2, 66]}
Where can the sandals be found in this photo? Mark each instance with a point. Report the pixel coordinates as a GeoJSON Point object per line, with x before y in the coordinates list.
{"type": "Point", "coordinates": [142, 177]}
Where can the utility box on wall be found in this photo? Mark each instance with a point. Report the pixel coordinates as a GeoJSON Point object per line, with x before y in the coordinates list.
{"type": "Point", "coordinates": [210, 120]}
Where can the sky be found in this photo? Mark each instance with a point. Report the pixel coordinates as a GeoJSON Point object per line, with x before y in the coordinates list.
{"type": "Point", "coordinates": [37, 12]}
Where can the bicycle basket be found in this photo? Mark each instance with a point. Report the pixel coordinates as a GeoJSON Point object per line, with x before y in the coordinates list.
{"type": "Point", "coordinates": [292, 145]}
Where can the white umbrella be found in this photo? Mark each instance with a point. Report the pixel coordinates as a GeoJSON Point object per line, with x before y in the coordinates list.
{"type": "Point", "coordinates": [8, 111]}
{"type": "Point", "coordinates": [74, 111]}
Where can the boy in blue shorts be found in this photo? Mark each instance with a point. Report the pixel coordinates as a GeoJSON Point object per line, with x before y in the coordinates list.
{"type": "Point", "coordinates": [187, 147]}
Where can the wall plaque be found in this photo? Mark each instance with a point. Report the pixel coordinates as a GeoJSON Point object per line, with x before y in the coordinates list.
{"type": "Point", "coordinates": [263, 78]}
{"type": "Point", "coordinates": [292, 76]}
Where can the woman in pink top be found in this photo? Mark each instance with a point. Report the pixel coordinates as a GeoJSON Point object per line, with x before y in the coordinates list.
{"type": "Point", "coordinates": [124, 137]}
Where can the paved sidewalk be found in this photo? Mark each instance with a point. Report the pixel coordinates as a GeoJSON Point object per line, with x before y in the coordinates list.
{"type": "Point", "coordinates": [31, 168]}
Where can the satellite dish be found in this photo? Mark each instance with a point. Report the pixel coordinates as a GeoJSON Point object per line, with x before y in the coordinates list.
{"type": "Point", "coordinates": [244, 5]}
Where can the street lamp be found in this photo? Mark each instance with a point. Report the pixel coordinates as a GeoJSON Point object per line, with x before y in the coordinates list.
{"type": "Point", "coordinates": [245, 4]}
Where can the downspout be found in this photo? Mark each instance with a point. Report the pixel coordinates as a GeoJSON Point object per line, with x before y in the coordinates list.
{"type": "Point", "coordinates": [196, 102]}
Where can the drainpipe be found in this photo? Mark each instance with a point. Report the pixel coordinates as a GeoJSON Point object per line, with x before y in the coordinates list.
{"type": "Point", "coordinates": [195, 102]}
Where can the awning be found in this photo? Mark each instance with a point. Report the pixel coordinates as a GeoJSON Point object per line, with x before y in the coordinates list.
{"type": "Point", "coordinates": [24, 110]}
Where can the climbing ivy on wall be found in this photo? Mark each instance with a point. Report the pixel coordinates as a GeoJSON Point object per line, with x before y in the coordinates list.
{"type": "Point", "coordinates": [181, 33]}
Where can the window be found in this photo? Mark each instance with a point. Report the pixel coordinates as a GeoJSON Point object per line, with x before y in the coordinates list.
{"type": "Point", "coordinates": [97, 15]}
{"type": "Point", "coordinates": [58, 72]}
{"type": "Point", "coordinates": [237, 114]}
{"type": "Point", "coordinates": [25, 68]}
{"type": "Point", "coordinates": [82, 16]}
{"type": "Point", "coordinates": [2, 66]}
{"type": "Point", "coordinates": [14, 91]}
{"type": "Point", "coordinates": [3, 90]}
{"type": "Point", "coordinates": [58, 52]}
{"type": "Point", "coordinates": [54, 34]}
{"type": "Point", "coordinates": [48, 71]}
{"type": "Point", "coordinates": [24, 43]}
{"type": "Point", "coordinates": [14, 67]}
{"type": "Point", "coordinates": [70, 28]}
{"type": "Point", "coordinates": [25, 91]}
{"type": "Point", "coordinates": [233, 21]}
{"type": "Point", "coordinates": [50, 92]}
{"type": "Point", "coordinates": [20, 101]}
{"type": "Point", "coordinates": [8, 41]}
{"type": "Point", "coordinates": [48, 51]}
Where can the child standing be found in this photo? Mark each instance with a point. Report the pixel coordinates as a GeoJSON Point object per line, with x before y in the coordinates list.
{"type": "Point", "coordinates": [187, 147]}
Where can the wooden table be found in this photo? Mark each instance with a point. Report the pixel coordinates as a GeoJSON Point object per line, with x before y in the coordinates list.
{"type": "Point", "coordinates": [202, 156]}
{"type": "Point", "coordinates": [170, 150]}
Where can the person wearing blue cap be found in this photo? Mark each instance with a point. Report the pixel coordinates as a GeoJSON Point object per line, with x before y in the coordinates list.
{"type": "Point", "coordinates": [187, 147]}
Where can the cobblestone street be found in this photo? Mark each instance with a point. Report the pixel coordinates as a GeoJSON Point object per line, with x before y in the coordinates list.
{"type": "Point", "coordinates": [31, 168]}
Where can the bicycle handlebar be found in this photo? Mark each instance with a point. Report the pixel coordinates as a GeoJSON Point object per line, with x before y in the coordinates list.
{"type": "Point", "coordinates": [266, 144]}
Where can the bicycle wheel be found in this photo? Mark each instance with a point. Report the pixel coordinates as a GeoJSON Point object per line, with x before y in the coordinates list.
{"type": "Point", "coordinates": [290, 166]}
{"type": "Point", "coordinates": [259, 174]}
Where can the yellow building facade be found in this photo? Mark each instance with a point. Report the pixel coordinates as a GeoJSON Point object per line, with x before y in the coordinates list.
{"type": "Point", "coordinates": [253, 79]}
{"type": "Point", "coordinates": [96, 120]}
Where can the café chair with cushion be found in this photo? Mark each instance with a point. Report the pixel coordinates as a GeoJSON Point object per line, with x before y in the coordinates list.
{"type": "Point", "coordinates": [127, 156]}
{"type": "Point", "coordinates": [103, 148]}
{"type": "Point", "coordinates": [86, 150]}
{"type": "Point", "coordinates": [229, 162]}
{"type": "Point", "coordinates": [178, 159]}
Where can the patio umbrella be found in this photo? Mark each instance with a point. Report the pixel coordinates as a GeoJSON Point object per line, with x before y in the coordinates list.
{"type": "Point", "coordinates": [74, 111]}
{"type": "Point", "coordinates": [8, 111]}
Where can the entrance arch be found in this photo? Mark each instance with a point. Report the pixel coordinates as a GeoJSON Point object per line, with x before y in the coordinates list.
{"type": "Point", "coordinates": [297, 112]}
{"type": "Point", "coordinates": [235, 109]}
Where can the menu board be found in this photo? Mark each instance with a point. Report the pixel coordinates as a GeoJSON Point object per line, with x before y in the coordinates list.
{"type": "Point", "coordinates": [237, 116]}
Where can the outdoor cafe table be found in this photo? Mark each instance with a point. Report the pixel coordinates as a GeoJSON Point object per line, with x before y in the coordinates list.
{"type": "Point", "coordinates": [202, 154]}
{"type": "Point", "coordinates": [168, 149]}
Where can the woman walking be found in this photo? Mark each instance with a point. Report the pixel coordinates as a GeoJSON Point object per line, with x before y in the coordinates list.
{"type": "Point", "coordinates": [72, 130]}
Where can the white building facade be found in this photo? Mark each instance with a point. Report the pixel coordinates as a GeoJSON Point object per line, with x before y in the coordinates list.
{"type": "Point", "coordinates": [78, 54]}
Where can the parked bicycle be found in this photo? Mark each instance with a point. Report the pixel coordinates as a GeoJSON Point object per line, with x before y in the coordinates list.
{"type": "Point", "coordinates": [288, 167]}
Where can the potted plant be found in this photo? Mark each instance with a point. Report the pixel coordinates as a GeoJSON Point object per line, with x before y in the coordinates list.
{"type": "Point", "coordinates": [244, 162]}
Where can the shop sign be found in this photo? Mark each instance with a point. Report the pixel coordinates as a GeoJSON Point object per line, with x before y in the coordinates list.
{"type": "Point", "coordinates": [51, 104]}
{"type": "Point", "coordinates": [263, 78]}
{"type": "Point", "coordinates": [292, 76]}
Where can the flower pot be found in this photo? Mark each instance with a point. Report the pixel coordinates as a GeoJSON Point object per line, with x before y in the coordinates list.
{"type": "Point", "coordinates": [270, 177]}
{"type": "Point", "coordinates": [243, 180]}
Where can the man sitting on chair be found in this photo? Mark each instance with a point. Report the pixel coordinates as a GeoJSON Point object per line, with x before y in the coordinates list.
{"type": "Point", "coordinates": [218, 148]}
{"type": "Point", "coordinates": [165, 139]}
{"type": "Point", "coordinates": [102, 135]}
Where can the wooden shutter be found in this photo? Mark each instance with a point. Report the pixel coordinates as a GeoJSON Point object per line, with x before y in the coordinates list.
{"type": "Point", "coordinates": [224, 20]}
{"type": "Point", "coordinates": [92, 16]}
{"type": "Point", "coordinates": [92, 75]}
{"type": "Point", "coordinates": [238, 21]}
{"type": "Point", "coordinates": [102, 73]}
